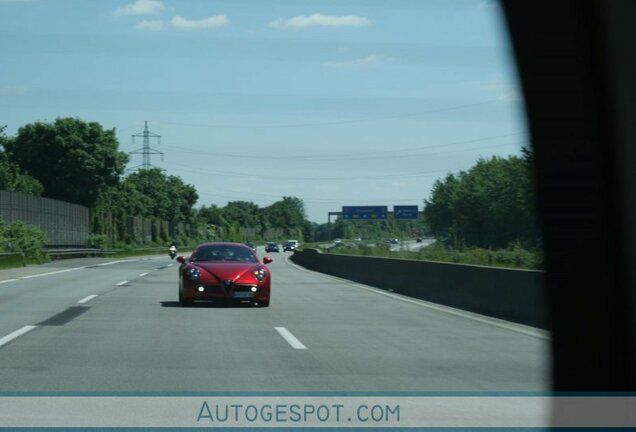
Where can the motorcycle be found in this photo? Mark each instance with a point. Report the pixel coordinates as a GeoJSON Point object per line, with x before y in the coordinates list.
{"type": "Point", "coordinates": [172, 252]}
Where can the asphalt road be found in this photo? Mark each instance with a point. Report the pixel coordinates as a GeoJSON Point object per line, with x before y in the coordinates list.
{"type": "Point", "coordinates": [320, 334]}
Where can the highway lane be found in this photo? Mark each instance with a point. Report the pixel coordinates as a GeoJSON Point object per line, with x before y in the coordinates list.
{"type": "Point", "coordinates": [33, 294]}
{"type": "Point", "coordinates": [136, 337]}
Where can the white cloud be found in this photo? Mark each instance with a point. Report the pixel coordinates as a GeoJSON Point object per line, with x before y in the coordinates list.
{"type": "Point", "coordinates": [141, 7]}
{"type": "Point", "coordinates": [303, 21]}
{"type": "Point", "coordinates": [371, 59]}
{"type": "Point", "coordinates": [209, 22]}
{"type": "Point", "coordinates": [149, 25]}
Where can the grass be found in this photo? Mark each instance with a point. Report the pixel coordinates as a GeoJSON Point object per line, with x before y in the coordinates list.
{"type": "Point", "coordinates": [512, 257]}
{"type": "Point", "coordinates": [11, 260]}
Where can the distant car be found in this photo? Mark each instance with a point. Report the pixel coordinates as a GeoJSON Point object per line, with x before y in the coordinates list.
{"type": "Point", "coordinates": [294, 242]}
{"type": "Point", "coordinates": [272, 247]}
{"type": "Point", "coordinates": [288, 246]}
{"type": "Point", "coordinates": [224, 272]}
{"type": "Point", "coordinates": [251, 246]}
{"type": "Point", "coordinates": [394, 241]}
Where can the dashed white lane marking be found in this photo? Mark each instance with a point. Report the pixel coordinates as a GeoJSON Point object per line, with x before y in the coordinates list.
{"type": "Point", "coordinates": [88, 298]}
{"type": "Point", "coordinates": [8, 280]}
{"type": "Point", "coordinates": [16, 334]}
{"type": "Point", "coordinates": [143, 274]}
{"type": "Point", "coordinates": [518, 328]}
{"type": "Point", "coordinates": [122, 283]}
{"type": "Point", "coordinates": [290, 338]}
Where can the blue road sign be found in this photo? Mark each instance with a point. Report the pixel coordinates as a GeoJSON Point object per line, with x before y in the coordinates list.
{"type": "Point", "coordinates": [364, 212]}
{"type": "Point", "coordinates": [405, 212]}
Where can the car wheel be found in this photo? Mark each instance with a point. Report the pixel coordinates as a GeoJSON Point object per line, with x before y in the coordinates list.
{"type": "Point", "coordinates": [183, 301]}
{"type": "Point", "coordinates": [264, 303]}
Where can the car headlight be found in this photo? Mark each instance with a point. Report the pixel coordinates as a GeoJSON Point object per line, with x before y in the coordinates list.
{"type": "Point", "coordinates": [194, 274]}
{"type": "Point", "coordinates": [260, 274]}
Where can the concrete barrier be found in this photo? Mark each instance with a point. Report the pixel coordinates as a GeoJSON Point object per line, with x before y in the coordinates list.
{"type": "Point", "coordinates": [509, 294]}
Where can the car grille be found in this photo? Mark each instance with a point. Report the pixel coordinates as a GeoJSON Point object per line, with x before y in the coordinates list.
{"type": "Point", "coordinates": [214, 289]}
{"type": "Point", "coordinates": [218, 289]}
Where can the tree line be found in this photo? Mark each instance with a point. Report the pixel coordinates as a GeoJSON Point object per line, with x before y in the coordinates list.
{"type": "Point", "coordinates": [80, 162]}
{"type": "Point", "coordinates": [490, 206]}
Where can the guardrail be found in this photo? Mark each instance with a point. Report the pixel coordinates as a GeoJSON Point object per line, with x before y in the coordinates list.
{"type": "Point", "coordinates": [66, 253]}
{"type": "Point", "coordinates": [509, 294]}
{"type": "Point", "coordinates": [57, 254]}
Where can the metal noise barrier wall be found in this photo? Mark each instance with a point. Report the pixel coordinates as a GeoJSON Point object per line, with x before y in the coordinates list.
{"type": "Point", "coordinates": [509, 294]}
{"type": "Point", "coordinates": [65, 224]}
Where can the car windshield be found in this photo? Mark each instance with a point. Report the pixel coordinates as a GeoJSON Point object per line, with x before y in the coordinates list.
{"type": "Point", "coordinates": [223, 253]}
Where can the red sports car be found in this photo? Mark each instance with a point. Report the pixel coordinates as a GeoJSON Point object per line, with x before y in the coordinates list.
{"type": "Point", "coordinates": [222, 272]}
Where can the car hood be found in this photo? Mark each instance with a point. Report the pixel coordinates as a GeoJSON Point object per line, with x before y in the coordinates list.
{"type": "Point", "coordinates": [223, 270]}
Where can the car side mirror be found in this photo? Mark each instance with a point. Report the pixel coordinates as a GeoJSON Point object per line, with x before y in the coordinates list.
{"type": "Point", "coordinates": [267, 260]}
{"type": "Point", "coordinates": [181, 259]}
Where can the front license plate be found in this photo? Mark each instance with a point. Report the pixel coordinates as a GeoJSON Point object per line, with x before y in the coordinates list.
{"type": "Point", "coordinates": [243, 294]}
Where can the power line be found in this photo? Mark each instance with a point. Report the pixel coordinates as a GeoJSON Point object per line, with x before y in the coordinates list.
{"type": "Point", "coordinates": [333, 122]}
{"type": "Point", "coordinates": [191, 169]}
{"type": "Point", "coordinates": [380, 154]}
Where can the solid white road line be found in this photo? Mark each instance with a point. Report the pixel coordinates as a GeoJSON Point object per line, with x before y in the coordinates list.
{"type": "Point", "coordinates": [143, 274]}
{"type": "Point", "coordinates": [88, 298]}
{"type": "Point", "coordinates": [65, 271]}
{"type": "Point", "coordinates": [8, 280]}
{"type": "Point", "coordinates": [16, 334]}
{"type": "Point", "coordinates": [290, 338]}
{"type": "Point", "coordinates": [116, 262]}
{"type": "Point", "coordinates": [122, 283]}
{"type": "Point", "coordinates": [518, 328]}
{"type": "Point", "coordinates": [52, 273]}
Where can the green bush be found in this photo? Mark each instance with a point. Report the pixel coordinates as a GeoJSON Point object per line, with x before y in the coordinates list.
{"type": "Point", "coordinates": [98, 241]}
{"type": "Point", "coordinates": [23, 238]}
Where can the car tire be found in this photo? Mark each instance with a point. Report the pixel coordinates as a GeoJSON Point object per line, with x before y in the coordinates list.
{"type": "Point", "coordinates": [183, 302]}
{"type": "Point", "coordinates": [264, 303]}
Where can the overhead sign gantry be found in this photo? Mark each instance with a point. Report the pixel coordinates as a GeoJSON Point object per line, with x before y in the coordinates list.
{"type": "Point", "coordinates": [365, 212]}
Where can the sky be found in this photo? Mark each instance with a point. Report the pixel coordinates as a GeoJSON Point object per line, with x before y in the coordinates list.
{"type": "Point", "coordinates": [336, 102]}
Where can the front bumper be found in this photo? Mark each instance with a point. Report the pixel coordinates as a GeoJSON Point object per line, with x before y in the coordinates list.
{"type": "Point", "coordinates": [235, 292]}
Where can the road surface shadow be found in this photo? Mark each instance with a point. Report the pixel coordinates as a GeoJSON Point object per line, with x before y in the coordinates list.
{"type": "Point", "coordinates": [204, 304]}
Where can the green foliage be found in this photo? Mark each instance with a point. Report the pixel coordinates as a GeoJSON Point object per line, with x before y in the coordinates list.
{"type": "Point", "coordinates": [370, 230]}
{"type": "Point", "coordinates": [99, 241]}
{"type": "Point", "coordinates": [490, 205]}
{"type": "Point", "coordinates": [514, 256]}
{"type": "Point", "coordinates": [10, 177]}
{"type": "Point", "coordinates": [151, 193]}
{"type": "Point", "coordinates": [243, 221]}
{"type": "Point", "coordinates": [23, 238]}
{"type": "Point", "coordinates": [243, 214]}
{"type": "Point", "coordinates": [11, 260]}
{"type": "Point", "coordinates": [72, 159]}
